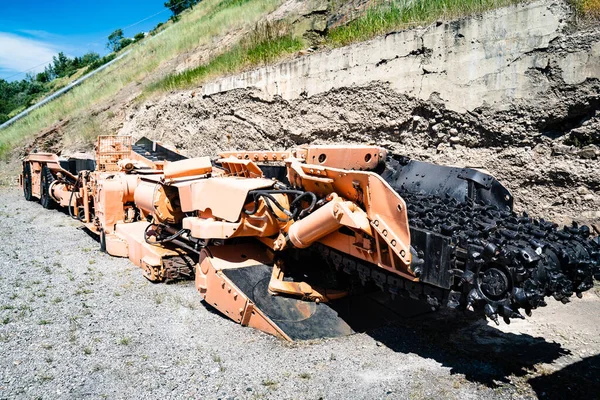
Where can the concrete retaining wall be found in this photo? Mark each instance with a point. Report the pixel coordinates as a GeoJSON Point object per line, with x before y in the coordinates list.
{"type": "Point", "coordinates": [486, 60]}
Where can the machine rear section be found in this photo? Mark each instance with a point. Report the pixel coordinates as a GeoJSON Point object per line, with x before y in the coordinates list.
{"type": "Point", "coordinates": [322, 240]}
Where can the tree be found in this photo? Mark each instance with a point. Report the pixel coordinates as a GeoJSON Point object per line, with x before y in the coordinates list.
{"type": "Point", "coordinates": [114, 40]}
{"type": "Point", "coordinates": [42, 77]}
{"type": "Point", "coordinates": [89, 58]}
{"type": "Point", "coordinates": [124, 43]}
{"type": "Point", "coordinates": [139, 36]}
{"type": "Point", "coordinates": [49, 71]}
{"type": "Point", "coordinates": [61, 64]}
{"type": "Point", "coordinates": [178, 6]}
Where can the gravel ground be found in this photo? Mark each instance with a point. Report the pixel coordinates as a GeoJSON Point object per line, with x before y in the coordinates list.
{"type": "Point", "coordinates": [75, 322]}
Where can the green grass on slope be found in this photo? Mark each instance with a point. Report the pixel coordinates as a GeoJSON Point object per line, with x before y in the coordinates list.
{"type": "Point", "coordinates": [267, 43]}
{"type": "Point", "coordinates": [589, 9]}
{"type": "Point", "coordinates": [198, 27]}
{"type": "Point", "coordinates": [391, 15]}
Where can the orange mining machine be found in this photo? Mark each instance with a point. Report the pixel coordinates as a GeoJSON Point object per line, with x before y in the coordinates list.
{"type": "Point", "coordinates": [308, 243]}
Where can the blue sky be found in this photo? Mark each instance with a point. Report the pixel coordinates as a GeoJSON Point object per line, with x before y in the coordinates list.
{"type": "Point", "coordinates": [32, 31]}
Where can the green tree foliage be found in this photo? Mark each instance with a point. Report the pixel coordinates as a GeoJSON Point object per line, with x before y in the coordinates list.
{"type": "Point", "coordinates": [139, 36]}
{"type": "Point", "coordinates": [124, 43]}
{"type": "Point", "coordinates": [100, 61]}
{"type": "Point", "coordinates": [18, 95]}
{"type": "Point", "coordinates": [89, 58]}
{"type": "Point", "coordinates": [114, 40]}
{"type": "Point", "coordinates": [178, 6]}
{"type": "Point", "coordinates": [61, 64]}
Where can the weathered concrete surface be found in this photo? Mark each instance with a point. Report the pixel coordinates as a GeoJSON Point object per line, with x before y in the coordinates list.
{"type": "Point", "coordinates": [581, 65]}
{"type": "Point", "coordinates": [466, 63]}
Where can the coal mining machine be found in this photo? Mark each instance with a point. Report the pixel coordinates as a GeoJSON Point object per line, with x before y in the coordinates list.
{"type": "Point", "coordinates": [314, 241]}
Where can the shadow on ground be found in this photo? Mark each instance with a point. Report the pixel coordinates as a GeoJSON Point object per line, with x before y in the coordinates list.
{"type": "Point", "coordinates": [467, 345]}
{"type": "Point", "coordinates": [580, 380]}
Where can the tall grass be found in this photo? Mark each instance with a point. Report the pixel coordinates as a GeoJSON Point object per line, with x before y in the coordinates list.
{"type": "Point", "coordinates": [266, 43]}
{"type": "Point", "coordinates": [386, 16]}
{"type": "Point", "coordinates": [589, 9]}
{"type": "Point", "coordinates": [209, 19]}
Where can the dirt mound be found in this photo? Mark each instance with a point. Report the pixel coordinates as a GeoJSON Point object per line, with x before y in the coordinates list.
{"type": "Point", "coordinates": [48, 140]}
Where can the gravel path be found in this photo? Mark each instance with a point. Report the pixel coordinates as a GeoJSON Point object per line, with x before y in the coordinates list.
{"type": "Point", "coordinates": [75, 322]}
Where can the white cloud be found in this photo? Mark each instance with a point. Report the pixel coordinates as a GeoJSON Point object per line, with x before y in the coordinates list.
{"type": "Point", "coordinates": [19, 54]}
{"type": "Point", "coordinates": [37, 33]}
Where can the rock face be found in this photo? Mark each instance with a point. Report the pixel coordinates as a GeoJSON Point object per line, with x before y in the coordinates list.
{"type": "Point", "coordinates": [515, 91]}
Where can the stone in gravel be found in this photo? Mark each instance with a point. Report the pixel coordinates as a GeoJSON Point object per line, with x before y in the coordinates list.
{"type": "Point", "coordinates": [561, 149]}
{"type": "Point", "coordinates": [588, 197]}
{"type": "Point", "coordinates": [589, 152]}
{"type": "Point", "coordinates": [581, 190]}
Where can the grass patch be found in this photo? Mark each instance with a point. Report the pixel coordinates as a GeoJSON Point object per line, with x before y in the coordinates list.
{"type": "Point", "coordinates": [387, 16]}
{"type": "Point", "coordinates": [83, 291]}
{"type": "Point", "coordinates": [46, 378]}
{"type": "Point", "coordinates": [159, 298]}
{"type": "Point", "coordinates": [267, 43]}
{"type": "Point", "coordinates": [125, 341]}
{"type": "Point", "coordinates": [269, 383]}
{"type": "Point", "coordinates": [588, 8]}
